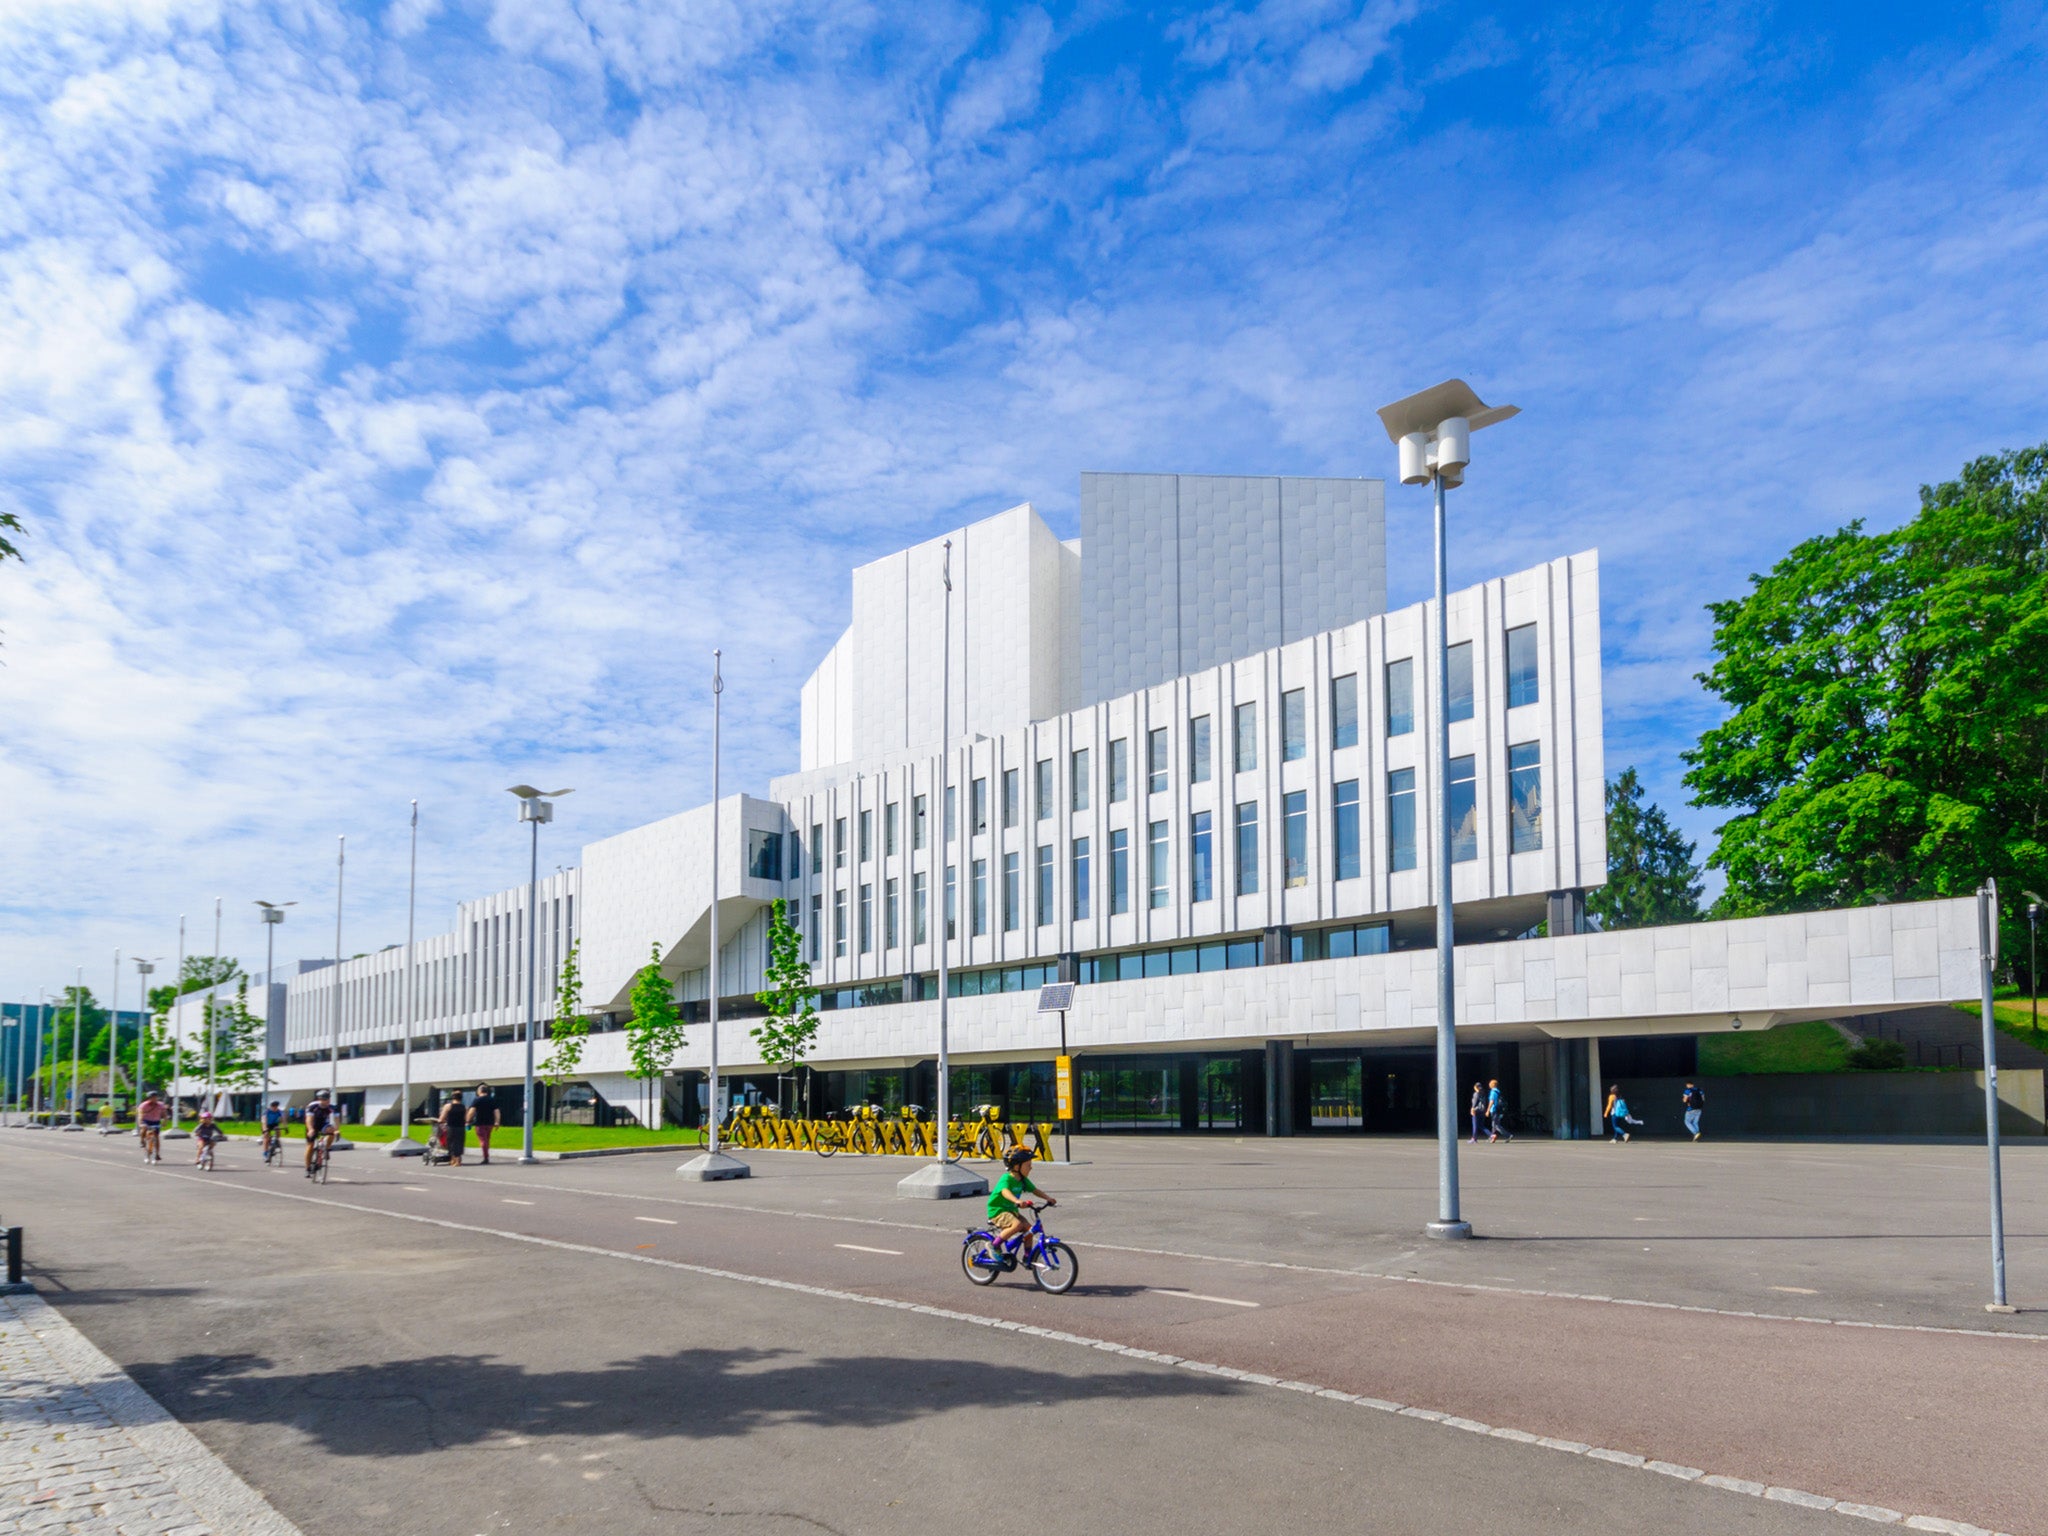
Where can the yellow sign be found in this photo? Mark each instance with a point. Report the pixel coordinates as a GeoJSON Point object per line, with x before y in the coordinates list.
{"type": "Point", "coordinates": [1063, 1083]}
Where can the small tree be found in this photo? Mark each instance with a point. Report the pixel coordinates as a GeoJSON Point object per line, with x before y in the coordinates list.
{"type": "Point", "coordinates": [241, 1043]}
{"type": "Point", "coordinates": [1652, 878]}
{"type": "Point", "coordinates": [789, 1031]}
{"type": "Point", "coordinates": [570, 1028]}
{"type": "Point", "coordinates": [654, 1033]}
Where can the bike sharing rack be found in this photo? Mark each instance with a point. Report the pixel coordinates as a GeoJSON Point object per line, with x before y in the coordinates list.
{"type": "Point", "coordinates": [868, 1131]}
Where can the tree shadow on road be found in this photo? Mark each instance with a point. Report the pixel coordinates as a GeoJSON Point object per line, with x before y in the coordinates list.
{"type": "Point", "coordinates": [430, 1403]}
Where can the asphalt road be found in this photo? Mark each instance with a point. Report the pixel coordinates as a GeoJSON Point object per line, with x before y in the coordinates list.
{"type": "Point", "coordinates": [374, 1349]}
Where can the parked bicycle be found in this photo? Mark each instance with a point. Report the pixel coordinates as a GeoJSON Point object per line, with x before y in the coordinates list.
{"type": "Point", "coordinates": [1054, 1266]}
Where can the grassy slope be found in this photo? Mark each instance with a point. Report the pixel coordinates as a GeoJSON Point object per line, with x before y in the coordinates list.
{"type": "Point", "coordinates": [1812, 1046]}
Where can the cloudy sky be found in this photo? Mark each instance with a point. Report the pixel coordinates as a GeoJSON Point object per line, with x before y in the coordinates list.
{"type": "Point", "coordinates": [402, 400]}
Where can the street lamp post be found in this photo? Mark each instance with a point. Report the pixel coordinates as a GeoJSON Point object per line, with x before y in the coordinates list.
{"type": "Point", "coordinates": [944, 1179]}
{"type": "Point", "coordinates": [77, 1028]}
{"type": "Point", "coordinates": [405, 1146]}
{"type": "Point", "coordinates": [14, 1078]}
{"type": "Point", "coordinates": [2034, 903]}
{"type": "Point", "coordinates": [144, 969]}
{"type": "Point", "coordinates": [334, 1012]}
{"type": "Point", "coordinates": [1433, 430]}
{"type": "Point", "coordinates": [113, 1042]}
{"type": "Point", "coordinates": [534, 809]}
{"type": "Point", "coordinates": [35, 1096]}
{"type": "Point", "coordinates": [713, 1163]}
{"type": "Point", "coordinates": [273, 914]}
{"type": "Point", "coordinates": [1987, 959]}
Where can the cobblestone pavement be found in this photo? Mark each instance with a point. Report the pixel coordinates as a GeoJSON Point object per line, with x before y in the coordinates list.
{"type": "Point", "coordinates": [83, 1449]}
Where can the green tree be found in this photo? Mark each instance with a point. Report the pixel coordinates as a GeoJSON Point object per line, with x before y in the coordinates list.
{"type": "Point", "coordinates": [238, 1042]}
{"type": "Point", "coordinates": [1888, 729]}
{"type": "Point", "coordinates": [75, 1008]}
{"type": "Point", "coordinates": [1652, 874]}
{"type": "Point", "coordinates": [654, 1033]}
{"type": "Point", "coordinates": [570, 1028]}
{"type": "Point", "coordinates": [9, 523]}
{"type": "Point", "coordinates": [789, 1031]}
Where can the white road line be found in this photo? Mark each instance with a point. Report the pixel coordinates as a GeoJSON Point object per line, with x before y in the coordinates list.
{"type": "Point", "coordinates": [894, 1253]}
{"type": "Point", "coordinates": [1221, 1301]}
{"type": "Point", "coordinates": [418, 1189]}
{"type": "Point", "coordinates": [659, 1221]}
{"type": "Point", "coordinates": [1795, 1290]}
{"type": "Point", "coordinates": [509, 1201]}
{"type": "Point", "coordinates": [1230, 1373]}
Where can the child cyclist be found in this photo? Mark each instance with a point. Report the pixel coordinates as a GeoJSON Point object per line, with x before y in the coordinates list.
{"type": "Point", "coordinates": [204, 1136]}
{"type": "Point", "coordinates": [273, 1129]}
{"type": "Point", "coordinates": [1006, 1203]}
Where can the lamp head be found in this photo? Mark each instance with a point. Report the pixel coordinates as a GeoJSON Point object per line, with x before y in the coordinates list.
{"type": "Point", "coordinates": [1433, 429]}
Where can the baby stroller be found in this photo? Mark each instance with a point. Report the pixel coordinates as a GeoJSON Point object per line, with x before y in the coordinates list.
{"type": "Point", "coordinates": [437, 1147]}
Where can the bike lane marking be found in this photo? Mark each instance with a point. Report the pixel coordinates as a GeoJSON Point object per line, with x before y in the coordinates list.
{"type": "Point", "coordinates": [894, 1253]}
{"type": "Point", "coordinates": [659, 1221]}
{"type": "Point", "coordinates": [1221, 1301]}
{"type": "Point", "coordinates": [1624, 1459]}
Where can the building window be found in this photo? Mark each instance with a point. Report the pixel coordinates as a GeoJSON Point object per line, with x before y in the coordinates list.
{"type": "Point", "coordinates": [977, 897]}
{"type": "Point", "coordinates": [1401, 819]}
{"type": "Point", "coordinates": [917, 907]}
{"type": "Point", "coordinates": [1522, 688]}
{"type": "Point", "coordinates": [1245, 733]}
{"type": "Point", "coordinates": [1460, 674]}
{"type": "Point", "coordinates": [1010, 790]}
{"type": "Point", "coordinates": [1080, 873]}
{"type": "Point", "coordinates": [1119, 872]}
{"type": "Point", "coordinates": [764, 859]}
{"type": "Point", "coordinates": [817, 930]}
{"type": "Point", "coordinates": [1045, 916]}
{"type": "Point", "coordinates": [1013, 892]}
{"type": "Point", "coordinates": [1155, 760]}
{"type": "Point", "coordinates": [1198, 750]}
{"type": "Point", "coordinates": [1464, 811]}
{"type": "Point", "coordinates": [839, 925]}
{"type": "Point", "coordinates": [1294, 836]}
{"type": "Point", "coordinates": [839, 842]}
{"type": "Point", "coordinates": [1525, 797]}
{"type": "Point", "coordinates": [1346, 828]}
{"type": "Point", "coordinates": [1155, 866]}
{"type": "Point", "coordinates": [1293, 725]}
{"type": "Point", "coordinates": [1078, 765]}
{"type": "Point", "coordinates": [1344, 711]}
{"type": "Point", "coordinates": [889, 830]}
{"type": "Point", "coordinates": [795, 862]}
{"type": "Point", "coordinates": [952, 906]}
{"type": "Point", "coordinates": [951, 832]}
{"type": "Point", "coordinates": [817, 848]}
{"type": "Point", "coordinates": [1400, 697]}
{"type": "Point", "coordinates": [1201, 858]}
{"type": "Point", "coordinates": [977, 806]}
{"type": "Point", "coordinates": [867, 836]}
{"type": "Point", "coordinates": [917, 822]}
{"type": "Point", "coordinates": [1119, 771]}
{"type": "Point", "coordinates": [867, 918]}
{"type": "Point", "coordinates": [1248, 848]}
{"type": "Point", "coordinates": [1044, 788]}
{"type": "Point", "coordinates": [891, 934]}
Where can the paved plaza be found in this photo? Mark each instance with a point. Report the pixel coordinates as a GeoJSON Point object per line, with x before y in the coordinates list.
{"type": "Point", "coordinates": [1658, 1336]}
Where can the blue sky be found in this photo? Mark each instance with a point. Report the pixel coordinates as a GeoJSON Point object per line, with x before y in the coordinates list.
{"type": "Point", "coordinates": [404, 399]}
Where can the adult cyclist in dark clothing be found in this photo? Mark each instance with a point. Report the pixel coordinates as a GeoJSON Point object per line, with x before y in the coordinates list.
{"type": "Point", "coordinates": [320, 1122]}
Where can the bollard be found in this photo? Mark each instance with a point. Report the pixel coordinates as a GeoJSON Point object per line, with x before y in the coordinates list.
{"type": "Point", "coordinates": [13, 1236]}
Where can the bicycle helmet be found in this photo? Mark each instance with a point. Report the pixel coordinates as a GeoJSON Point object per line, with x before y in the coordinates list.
{"type": "Point", "coordinates": [1016, 1157]}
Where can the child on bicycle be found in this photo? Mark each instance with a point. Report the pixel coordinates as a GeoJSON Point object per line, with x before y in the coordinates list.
{"type": "Point", "coordinates": [204, 1135]}
{"type": "Point", "coordinates": [273, 1128]}
{"type": "Point", "coordinates": [1006, 1204]}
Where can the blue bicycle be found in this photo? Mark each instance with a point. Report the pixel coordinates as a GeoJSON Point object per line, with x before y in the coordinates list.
{"type": "Point", "coordinates": [1052, 1263]}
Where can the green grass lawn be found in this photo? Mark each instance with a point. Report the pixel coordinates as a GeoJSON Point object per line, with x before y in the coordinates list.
{"type": "Point", "coordinates": [546, 1138]}
{"type": "Point", "coordinates": [2013, 1012]}
{"type": "Point", "coordinates": [1813, 1045]}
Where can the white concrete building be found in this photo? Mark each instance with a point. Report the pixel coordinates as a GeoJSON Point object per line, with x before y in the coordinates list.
{"type": "Point", "coordinates": [1191, 770]}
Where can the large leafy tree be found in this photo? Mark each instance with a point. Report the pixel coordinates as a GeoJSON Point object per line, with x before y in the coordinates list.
{"type": "Point", "coordinates": [655, 1031]}
{"type": "Point", "coordinates": [790, 1029]}
{"type": "Point", "coordinates": [1888, 697]}
{"type": "Point", "coordinates": [1652, 874]}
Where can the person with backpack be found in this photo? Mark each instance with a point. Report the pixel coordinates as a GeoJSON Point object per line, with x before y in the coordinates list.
{"type": "Point", "coordinates": [1478, 1108]}
{"type": "Point", "coordinates": [1695, 1105]}
{"type": "Point", "coordinates": [1618, 1110]}
{"type": "Point", "coordinates": [1496, 1112]}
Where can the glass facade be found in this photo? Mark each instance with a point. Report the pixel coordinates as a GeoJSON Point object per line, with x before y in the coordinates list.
{"type": "Point", "coordinates": [977, 806]}
{"type": "Point", "coordinates": [1155, 760]}
{"type": "Point", "coordinates": [1293, 725]}
{"type": "Point", "coordinates": [892, 936]}
{"type": "Point", "coordinates": [917, 907]}
{"type": "Point", "coordinates": [1174, 960]}
{"type": "Point", "coordinates": [764, 856]}
{"type": "Point", "coordinates": [1248, 848]}
{"type": "Point", "coordinates": [951, 833]}
{"type": "Point", "coordinates": [814, 939]}
{"type": "Point", "coordinates": [1045, 907]}
{"type": "Point", "coordinates": [817, 848]}
{"type": "Point", "coordinates": [839, 843]}
{"type": "Point", "coordinates": [1119, 771]}
{"type": "Point", "coordinates": [952, 900]}
{"type": "Point", "coordinates": [889, 828]}
{"type": "Point", "coordinates": [1155, 865]}
{"type": "Point", "coordinates": [1460, 675]}
{"type": "Point", "coordinates": [1043, 788]}
{"type": "Point", "coordinates": [1344, 711]}
{"type": "Point", "coordinates": [1344, 805]}
{"type": "Point", "coordinates": [1464, 812]}
{"type": "Point", "coordinates": [977, 897]}
{"type": "Point", "coordinates": [1119, 872]}
{"type": "Point", "coordinates": [1245, 737]}
{"type": "Point", "coordinates": [1201, 858]}
{"type": "Point", "coordinates": [1083, 906]}
{"type": "Point", "coordinates": [1522, 684]}
{"type": "Point", "coordinates": [1011, 790]}
{"type": "Point", "coordinates": [1079, 767]}
{"type": "Point", "coordinates": [1341, 943]}
{"type": "Point", "coordinates": [867, 836]}
{"type": "Point", "coordinates": [1525, 797]}
{"type": "Point", "coordinates": [867, 918]}
{"type": "Point", "coordinates": [1013, 892]}
{"type": "Point", "coordinates": [1294, 836]}
{"type": "Point", "coordinates": [1400, 697]}
{"type": "Point", "coordinates": [1401, 819]}
{"type": "Point", "coordinates": [1198, 750]}
{"type": "Point", "coordinates": [917, 822]}
{"type": "Point", "coordinates": [839, 925]}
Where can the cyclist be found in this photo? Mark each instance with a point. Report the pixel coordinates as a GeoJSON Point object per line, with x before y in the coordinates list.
{"type": "Point", "coordinates": [273, 1128]}
{"type": "Point", "coordinates": [1006, 1203]}
{"type": "Point", "coordinates": [321, 1125]}
{"type": "Point", "coordinates": [204, 1135]}
{"type": "Point", "coordinates": [149, 1124]}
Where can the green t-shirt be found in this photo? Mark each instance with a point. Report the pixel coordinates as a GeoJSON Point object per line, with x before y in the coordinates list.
{"type": "Point", "coordinates": [1013, 1185]}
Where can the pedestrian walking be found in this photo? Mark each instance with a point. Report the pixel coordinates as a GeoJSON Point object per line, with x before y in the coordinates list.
{"type": "Point", "coordinates": [451, 1123]}
{"type": "Point", "coordinates": [483, 1114]}
{"type": "Point", "coordinates": [1496, 1112]}
{"type": "Point", "coordinates": [1695, 1105]}
{"type": "Point", "coordinates": [1607, 1114]}
{"type": "Point", "coordinates": [1478, 1107]}
{"type": "Point", "coordinates": [1618, 1109]}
